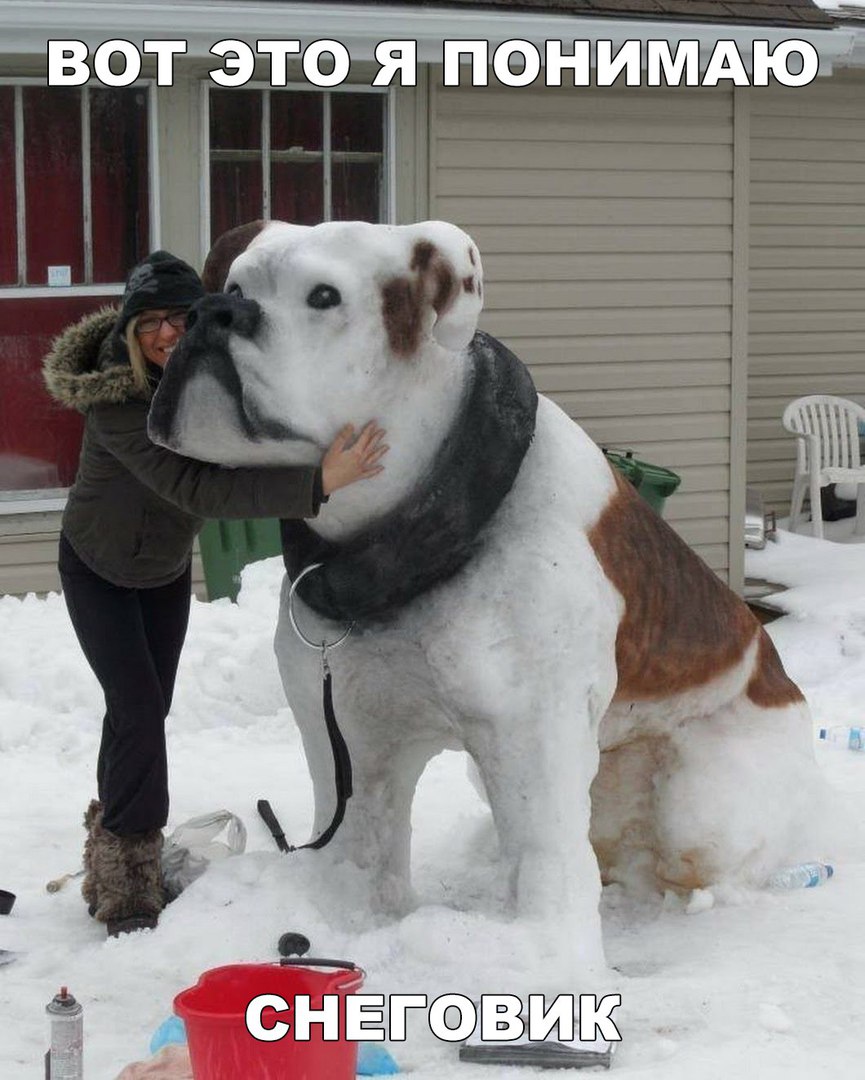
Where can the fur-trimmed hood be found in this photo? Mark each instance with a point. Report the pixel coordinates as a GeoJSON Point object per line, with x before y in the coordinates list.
{"type": "Point", "coordinates": [88, 364]}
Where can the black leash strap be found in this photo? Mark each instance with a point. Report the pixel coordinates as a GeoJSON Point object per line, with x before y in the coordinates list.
{"type": "Point", "coordinates": [271, 821]}
{"type": "Point", "coordinates": [341, 772]}
{"type": "Point", "coordinates": [341, 757]}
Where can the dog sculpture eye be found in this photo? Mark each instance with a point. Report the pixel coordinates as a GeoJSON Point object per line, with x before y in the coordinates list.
{"type": "Point", "coordinates": [235, 291]}
{"type": "Point", "coordinates": [324, 296]}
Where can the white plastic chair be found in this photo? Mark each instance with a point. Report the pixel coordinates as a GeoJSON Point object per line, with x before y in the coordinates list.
{"type": "Point", "coordinates": [827, 430]}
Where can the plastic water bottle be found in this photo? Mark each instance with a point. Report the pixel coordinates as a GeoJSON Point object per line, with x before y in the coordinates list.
{"type": "Point", "coordinates": [804, 876]}
{"type": "Point", "coordinates": [851, 737]}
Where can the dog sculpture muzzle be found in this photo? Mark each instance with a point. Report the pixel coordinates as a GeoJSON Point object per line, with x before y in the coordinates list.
{"type": "Point", "coordinates": [204, 353]}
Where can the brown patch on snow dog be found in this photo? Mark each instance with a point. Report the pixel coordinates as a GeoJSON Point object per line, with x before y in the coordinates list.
{"type": "Point", "coordinates": [405, 300]}
{"type": "Point", "coordinates": [682, 627]}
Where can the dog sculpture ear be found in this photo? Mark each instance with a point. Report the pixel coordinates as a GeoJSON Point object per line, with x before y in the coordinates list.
{"type": "Point", "coordinates": [445, 275]}
{"type": "Point", "coordinates": [223, 253]}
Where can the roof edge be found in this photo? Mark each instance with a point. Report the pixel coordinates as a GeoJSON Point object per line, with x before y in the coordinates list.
{"type": "Point", "coordinates": [26, 27]}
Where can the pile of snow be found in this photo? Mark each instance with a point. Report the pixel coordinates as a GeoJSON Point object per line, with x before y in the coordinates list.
{"type": "Point", "coordinates": [711, 984]}
{"type": "Point", "coordinates": [822, 643]}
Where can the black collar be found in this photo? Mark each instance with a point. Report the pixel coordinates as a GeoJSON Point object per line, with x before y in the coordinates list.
{"type": "Point", "coordinates": [435, 530]}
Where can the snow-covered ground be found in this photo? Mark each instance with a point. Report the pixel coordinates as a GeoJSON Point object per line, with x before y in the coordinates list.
{"type": "Point", "coordinates": [755, 983]}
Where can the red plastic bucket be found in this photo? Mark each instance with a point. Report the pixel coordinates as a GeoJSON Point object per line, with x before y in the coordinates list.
{"type": "Point", "coordinates": [221, 1048]}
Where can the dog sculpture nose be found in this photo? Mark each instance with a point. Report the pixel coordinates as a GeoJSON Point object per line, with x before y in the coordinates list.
{"type": "Point", "coordinates": [227, 313]}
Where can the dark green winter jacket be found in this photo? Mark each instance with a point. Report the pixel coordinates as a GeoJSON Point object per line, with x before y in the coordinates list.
{"type": "Point", "coordinates": [135, 508]}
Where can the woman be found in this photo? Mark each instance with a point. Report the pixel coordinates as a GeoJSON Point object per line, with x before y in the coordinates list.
{"type": "Point", "coordinates": [125, 549]}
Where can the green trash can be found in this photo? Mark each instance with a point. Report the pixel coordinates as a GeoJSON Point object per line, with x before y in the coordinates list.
{"type": "Point", "coordinates": [228, 546]}
{"type": "Point", "coordinates": [654, 483]}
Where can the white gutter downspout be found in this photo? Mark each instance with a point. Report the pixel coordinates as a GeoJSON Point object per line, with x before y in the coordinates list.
{"type": "Point", "coordinates": [26, 26]}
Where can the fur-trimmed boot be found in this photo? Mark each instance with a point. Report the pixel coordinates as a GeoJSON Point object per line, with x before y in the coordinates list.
{"type": "Point", "coordinates": [88, 886]}
{"type": "Point", "coordinates": [127, 873]}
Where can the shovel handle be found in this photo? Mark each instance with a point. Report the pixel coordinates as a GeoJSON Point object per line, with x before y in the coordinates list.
{"type": "Point", "coordinates": [57, 883]}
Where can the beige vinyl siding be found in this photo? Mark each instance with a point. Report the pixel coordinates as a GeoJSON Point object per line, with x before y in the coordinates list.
{"type": "Point", "coordinates": [605, 222]}
{"type": "Point", "coordinates": [28, 556]}
{"type": "Point", "coordinates": [807, 277]}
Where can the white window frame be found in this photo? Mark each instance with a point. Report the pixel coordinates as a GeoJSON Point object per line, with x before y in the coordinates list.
{"type": "Point", "coordinates": [25, 292]}
{"type": "Point", "coordinates": [41, 500]}
{"type": "Point", "coordinates": [388, 145]}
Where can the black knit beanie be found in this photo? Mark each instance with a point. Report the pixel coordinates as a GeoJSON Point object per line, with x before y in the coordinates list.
{"type": "Point", "coordinates": [159, 281]}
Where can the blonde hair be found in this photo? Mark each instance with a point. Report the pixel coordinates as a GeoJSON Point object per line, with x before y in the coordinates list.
{"type": "Point", "coordinates": [136, 358]}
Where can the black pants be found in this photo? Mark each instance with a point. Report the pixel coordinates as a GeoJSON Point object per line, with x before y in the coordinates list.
{"type": "Point", "coordinates": [132, 640]}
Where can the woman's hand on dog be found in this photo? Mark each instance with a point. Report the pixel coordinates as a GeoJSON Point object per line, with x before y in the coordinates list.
{"type": "Point", "coordinates": [346, 461]}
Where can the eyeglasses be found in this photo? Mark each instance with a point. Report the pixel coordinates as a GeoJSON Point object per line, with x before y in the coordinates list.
{"type": "Point", "coordinates": [151, 323]}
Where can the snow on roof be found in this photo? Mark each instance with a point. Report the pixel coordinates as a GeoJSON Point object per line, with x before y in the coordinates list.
{"type": "Point", "coordinates": [763, 12]}
{"type": "Point", "coordinates": [843, 9]}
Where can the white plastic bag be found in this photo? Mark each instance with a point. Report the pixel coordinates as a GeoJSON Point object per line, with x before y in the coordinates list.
{"type": "Point", "coordinates": [187, 852]}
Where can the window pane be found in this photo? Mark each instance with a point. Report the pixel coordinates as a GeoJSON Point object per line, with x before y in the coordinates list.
{"type": "Point", "coordinates": [357, 122]}
{"type": "Point", "coordinates": [52, 182]}
{"type": "Point", "coordinates": [297, 170]}
{"type": "Point", "coordinates": [235, 194]}
{"type": "Point", "coordinates": [235, 120]}
{"type": "Point", "coordinates": [296, 157]}
{"type": "Point", "coordinates": [235, 159]}
{"type": "Point", "coordinates": [297, 192]}
{"type": "Point", "coordinates": [296, 120]}
{"type": "Point", "coordinates": [39, 440]}
{"type": "Point", "coordinates": [8, 227]}
{"type": "Point", "coordinates": [356, 191]}
{"type": "Point", "coordinates": [119, 177]}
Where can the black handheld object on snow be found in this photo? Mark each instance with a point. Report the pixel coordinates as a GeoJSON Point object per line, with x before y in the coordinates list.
{"type": "Point", "coordinates": [537, 1055]}
{"type": "Point", "coordinates": [291, 943]}
{"type": "Point", "coordinates": [550, 1053]}
{"type": "Point", "coordinates": [293, 948]}
{"type": "Point", "coordinates": [272, 822]}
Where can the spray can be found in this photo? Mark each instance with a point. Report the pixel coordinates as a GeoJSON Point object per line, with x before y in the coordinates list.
{"type": "Point", "coordinates": [65, 1057]}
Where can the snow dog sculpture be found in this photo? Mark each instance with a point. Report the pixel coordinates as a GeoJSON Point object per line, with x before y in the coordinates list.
{"type": "Point", "coordinates": [512, 594]}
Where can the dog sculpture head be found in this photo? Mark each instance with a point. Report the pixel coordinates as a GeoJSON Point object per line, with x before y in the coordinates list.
{"type": "Point", "coordinates": [315, 326]}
